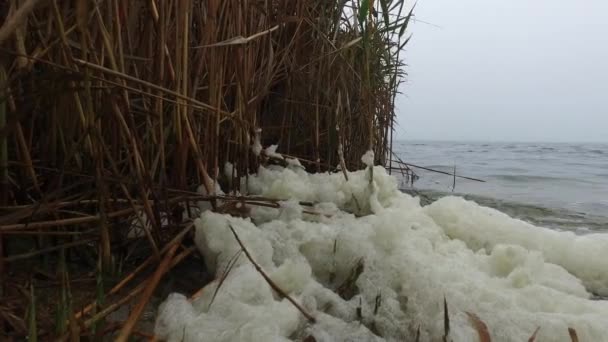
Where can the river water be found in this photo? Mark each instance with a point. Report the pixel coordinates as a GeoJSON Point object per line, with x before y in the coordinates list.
{"type": "Point", "coordinates": [558, 185]}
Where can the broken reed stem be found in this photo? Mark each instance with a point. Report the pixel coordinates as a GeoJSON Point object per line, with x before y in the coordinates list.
{"type": "Point", "coordinates": [110, 328]}
{"type": "Point", "coordinates": [454, 179]}
{"type": "Point", "coordinates": [113, 307]}
{"type": "Point", "coordinates": [533, 337]}
{"type": "Point", "coordinates": [151, 284]}
{"type": "Point", "coordinates": [439, 171]}
{"type": "Point", "coordinates": [573, 334]}
{"type": "Point", "coordinates": [131, 295]}
{"type": "Point", "coordinates": [176, 240]}
{"type": "Point", "coordinates": [272, 284]}
{"type": "Point", "coordinates": [3, 175]}
{"type": "Point", "coordinates": [446, 320]}
{"type": "Point", "coordinates": [18, 257]}
{"type": "Point", "coordinates": [480, 326]}
{"type": "Point", "coordinates": [64, 222]}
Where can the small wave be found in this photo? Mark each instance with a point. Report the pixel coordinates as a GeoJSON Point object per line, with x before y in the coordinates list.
{"type": "Point", "coordinates": [596, 152]}
{"type": "Point", "coordinates": [439, 167]}
{"type": "Point", "coordinates": [576, 163]}
{"type": "Point", "coordinates": [514, 169]}
{"type": "Point", "coordinates": [530, 178]}
{"type": "Point", "coordinates": [554, 218]}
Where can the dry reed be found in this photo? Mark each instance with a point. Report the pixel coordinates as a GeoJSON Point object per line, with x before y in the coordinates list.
{"type": "Point", "coordinates": [112, 111]}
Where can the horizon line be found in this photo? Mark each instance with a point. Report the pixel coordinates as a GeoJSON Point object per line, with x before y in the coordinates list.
{"type": "Point", "coordinates": [505, 141]}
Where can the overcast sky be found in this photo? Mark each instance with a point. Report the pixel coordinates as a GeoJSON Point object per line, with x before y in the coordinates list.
{"type": "Point", "coordinates": [509, 70]}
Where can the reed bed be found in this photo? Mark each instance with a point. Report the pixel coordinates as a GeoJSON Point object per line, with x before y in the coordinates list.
{"type": "Point", "coordinates": [113, 112]}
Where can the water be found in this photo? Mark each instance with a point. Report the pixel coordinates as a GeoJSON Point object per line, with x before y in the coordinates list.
{"type": "Point", "coordinates": [559, 185]}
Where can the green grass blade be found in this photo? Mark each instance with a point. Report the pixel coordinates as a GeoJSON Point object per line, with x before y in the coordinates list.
{"type": "Point", "coordinates": [407, 21]}
{"type": "Point", "coordinates": [32, 328]}
{"type": "Point", "coordinates": [363, 11]}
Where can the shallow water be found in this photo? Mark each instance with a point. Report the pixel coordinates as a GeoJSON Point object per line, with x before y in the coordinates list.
{"type": "Point", "coordinates": [558, 185]}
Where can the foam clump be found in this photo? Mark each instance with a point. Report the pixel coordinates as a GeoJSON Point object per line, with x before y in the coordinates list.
{"type": "Point", "coordinates": [584, 256]}
{"type": "Point", "coordinates": [377, 277]}
{"type": "Point", "coordinates": [206, 205]}
{"type": "Point", "coordinates": [256, 147]}
{"type": "Point", "coordinates": [271, 151]}
{"type": "Point", "coordinates": [352, 195]}
{"type": "Point", "coordinates": [368, 158]}
{"type": "Point", "coordinates": [294, 163]}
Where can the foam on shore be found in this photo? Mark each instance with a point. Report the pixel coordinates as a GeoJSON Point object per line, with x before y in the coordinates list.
{"type": "Point", "coordinates": [514, 276]}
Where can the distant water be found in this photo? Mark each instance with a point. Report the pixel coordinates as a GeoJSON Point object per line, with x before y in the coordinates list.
{"type": "Point", "coordinates": [559, 185]}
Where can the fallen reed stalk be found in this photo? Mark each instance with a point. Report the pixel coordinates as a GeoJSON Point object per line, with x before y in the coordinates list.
{"type": "Point", "coordinates": [442, 172]}
{"type": "Point", "coordinates": [151, 284]}
{"type": "Point", "coordinates": [133, 293]}
{"type": "Point", "coordinates": [121, 284]}
{"type": "Point", "coordinates": [270, 282]}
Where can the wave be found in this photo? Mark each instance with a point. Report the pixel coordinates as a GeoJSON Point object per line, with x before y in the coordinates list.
{"type": "Point", "coordinates": [554, 218]}
{"type": "Point", "coordinates": [528, 178]}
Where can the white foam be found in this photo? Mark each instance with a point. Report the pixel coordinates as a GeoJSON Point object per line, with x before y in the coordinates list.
{"type": "Point", "coordinates": [206, 205]}
{"type": "Point", "coordinates": [256, 147]}
{"type": "Point", "coordinates": [352, 195]}
{"type": "Point", "coordinates": [271, 152]}
{"type": "Point", "coordinates": [368, 158]}
{"type": "Point", "coordinates": [584, 256]}
{"type": "Point", "coordinates": [294, 163]}
{"type": "Point", "coordinates": [481, 260]}
{"type": "Point", "coordinates": [229, 171]}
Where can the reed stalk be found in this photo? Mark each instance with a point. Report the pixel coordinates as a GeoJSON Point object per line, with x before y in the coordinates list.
{"type": "Point", "coordinates": [112, 113]}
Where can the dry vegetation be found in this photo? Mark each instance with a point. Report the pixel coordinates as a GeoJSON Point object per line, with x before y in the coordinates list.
{"type": "Point", "coordinates": [112, 112]}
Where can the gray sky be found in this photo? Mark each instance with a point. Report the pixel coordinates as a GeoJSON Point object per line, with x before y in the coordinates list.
{"type": "Point", "coordinates": [509, 70]}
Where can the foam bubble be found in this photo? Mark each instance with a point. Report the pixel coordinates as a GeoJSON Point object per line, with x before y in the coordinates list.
{"type": "Point", "coordinates": [514, 276]}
